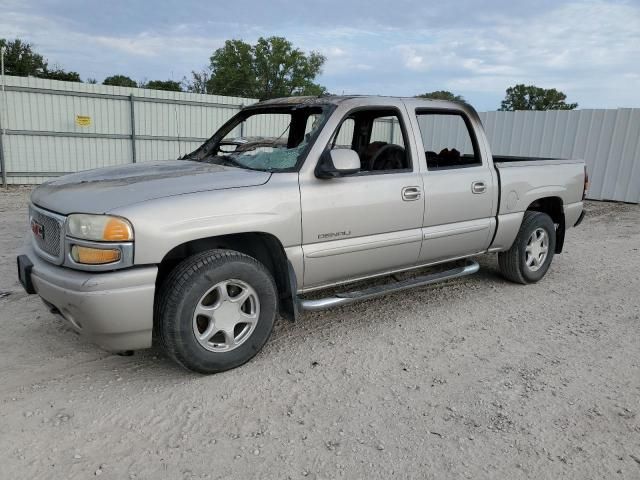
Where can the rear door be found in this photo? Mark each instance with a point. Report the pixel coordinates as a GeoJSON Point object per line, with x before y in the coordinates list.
{"type": "Point", "coordinates": [370, 222]}
{"type": "Point", "coordinates": [460, 188]}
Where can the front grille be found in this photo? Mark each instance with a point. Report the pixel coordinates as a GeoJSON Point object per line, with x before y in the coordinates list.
{"type": "Point", "coordinates": [51, 240]}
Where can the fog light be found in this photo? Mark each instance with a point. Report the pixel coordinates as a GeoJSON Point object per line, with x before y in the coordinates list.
{"type": "Point", "coordinates": [94, 256]}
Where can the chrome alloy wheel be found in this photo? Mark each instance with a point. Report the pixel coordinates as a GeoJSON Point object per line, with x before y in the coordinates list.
{"type": "Point", "coordinates": [537, 249]}
{"type": "Point", "coordinates": [226, 315]}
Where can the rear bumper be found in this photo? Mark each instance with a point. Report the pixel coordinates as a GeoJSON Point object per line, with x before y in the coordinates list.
{"type": "Point", "coordinates": [580, 218]}
{"type": "Point", "coordinates": [112, 309]}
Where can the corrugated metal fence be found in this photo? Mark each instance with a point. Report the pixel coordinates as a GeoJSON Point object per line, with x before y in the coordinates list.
{"type": "Point", "coordinates": [608, 141]}
{"type": "Point", "coordinates": [54, 127]}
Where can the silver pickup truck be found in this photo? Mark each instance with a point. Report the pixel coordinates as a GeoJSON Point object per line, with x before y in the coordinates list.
{"type": "Point", "coordinates": [290, 196]}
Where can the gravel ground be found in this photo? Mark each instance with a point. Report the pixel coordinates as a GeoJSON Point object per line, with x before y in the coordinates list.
{"type": "Point", "coordinates": [475, 378]}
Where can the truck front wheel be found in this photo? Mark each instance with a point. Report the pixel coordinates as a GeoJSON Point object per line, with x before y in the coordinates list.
{"type": "Point", "coordinates": [529, 258]}
{"type": "Point", "coordinates": [216, 310]}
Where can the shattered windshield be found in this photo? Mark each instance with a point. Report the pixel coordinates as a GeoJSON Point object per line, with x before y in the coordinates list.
{"type": "Point", "coordinates": [265, 139]}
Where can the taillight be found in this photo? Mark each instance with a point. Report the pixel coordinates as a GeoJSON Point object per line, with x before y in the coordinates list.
{"type": "Point", "coordinates": [586, 183]}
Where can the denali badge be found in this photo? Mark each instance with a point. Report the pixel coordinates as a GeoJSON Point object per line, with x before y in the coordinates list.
{"type": "Point", "coordinates": [335, 234]}
{"type": "Point", "coordinates": [37, 229]}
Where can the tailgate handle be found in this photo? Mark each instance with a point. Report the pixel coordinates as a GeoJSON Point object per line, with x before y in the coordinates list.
{"type": "Point", "coordinates": [411, 193]}
{"type": "Point", "coordinates": [478, 187]}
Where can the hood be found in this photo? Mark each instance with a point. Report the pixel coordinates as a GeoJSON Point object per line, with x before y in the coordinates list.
{"type": "Point", "coordinates": [105, 189]}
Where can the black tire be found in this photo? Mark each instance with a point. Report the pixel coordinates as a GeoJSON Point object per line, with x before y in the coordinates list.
{"type": "Point", "coordinates": [182, 291]}
{"type": "Point", "coordinates": [513, 264]}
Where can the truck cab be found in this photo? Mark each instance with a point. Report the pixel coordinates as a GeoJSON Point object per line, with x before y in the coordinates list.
{"type": "Point", "coordinates": [397, 211]}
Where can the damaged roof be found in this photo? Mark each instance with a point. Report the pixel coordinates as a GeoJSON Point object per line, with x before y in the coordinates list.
{"type": "Point", "coordinates": [304, 100]}
{"type": "Point", "coordinates": [415, 102]}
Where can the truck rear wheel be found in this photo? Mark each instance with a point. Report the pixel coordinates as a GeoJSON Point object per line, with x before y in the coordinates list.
{"type": "Point", "coordinates": [216, 310]}
{"type": "Point", "coordinates": [529, 258]}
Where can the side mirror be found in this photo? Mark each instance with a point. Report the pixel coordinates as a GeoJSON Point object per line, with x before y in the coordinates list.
{"type": "Point", "coordinates": [338, 163]}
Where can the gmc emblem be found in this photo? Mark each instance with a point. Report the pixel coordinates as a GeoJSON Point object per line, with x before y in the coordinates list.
{"type": "Point", "coordinates": [37, 229]}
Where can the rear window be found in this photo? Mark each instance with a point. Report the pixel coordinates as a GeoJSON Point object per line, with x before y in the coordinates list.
{"type": "Point", "coordinates": [448, 141]}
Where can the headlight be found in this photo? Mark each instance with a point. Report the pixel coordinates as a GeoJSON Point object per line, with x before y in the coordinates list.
{"type": "Point", "coordinates": [99, 228]}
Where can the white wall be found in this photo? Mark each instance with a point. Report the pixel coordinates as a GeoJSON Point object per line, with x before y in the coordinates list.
{"type": "Point", "coordinates": [608, 141]}
{"type": "Point", "coordinates": [41, 135]}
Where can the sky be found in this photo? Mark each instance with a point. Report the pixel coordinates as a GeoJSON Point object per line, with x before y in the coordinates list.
{"type": "Point", "coordinates": [590, 49]}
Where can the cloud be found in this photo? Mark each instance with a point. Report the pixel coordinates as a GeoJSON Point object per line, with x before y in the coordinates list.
{"type": "Point", "coordinates": [143, 55]}
{"type": "Point", "coordinates": [586, 46]}
{"type": "Point", "coordinates": [335, 52]}
{"type": "Point", "coordinates": [589, 48]}
{"type": "Point", "coordinates": [152, 45]}
{"type": "Point", "coordinates": [413, 61]}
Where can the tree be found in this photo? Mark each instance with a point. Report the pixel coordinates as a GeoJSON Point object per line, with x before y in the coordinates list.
{"type": "Point", "coordinates": [59, 74]}
{"type": "Point", "coordinates": [530, 97]}
{"type": "Point", "coordinates": [169, 85]}
{"type": "Point", "coordinates": [20, 60]}
{"type": "Point", "coordinates": [442, 95]}
{"type": "Point", "coordinates": [198, 83]}
{"type": "Point", "coordinates": [282, 70]}
{"type": "Point", "coordinates": [270, 68]}
{"type": "Point", "coordinates": [120, 81]}
{"type": "Point", "coordinates": [233, 70]}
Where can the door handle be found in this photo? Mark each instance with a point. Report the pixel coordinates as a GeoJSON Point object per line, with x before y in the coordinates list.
{"type": "Point", "coordinates": [411, 193]}
{"type": "Point", "coordinates": [478, 187]}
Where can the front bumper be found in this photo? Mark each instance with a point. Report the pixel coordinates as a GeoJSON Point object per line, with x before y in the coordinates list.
{"type": "Point", "coordinates": [112, 309]}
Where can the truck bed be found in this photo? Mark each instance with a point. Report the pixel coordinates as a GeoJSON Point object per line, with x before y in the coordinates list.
{"type": "Point", "coordinates": [522, 179]}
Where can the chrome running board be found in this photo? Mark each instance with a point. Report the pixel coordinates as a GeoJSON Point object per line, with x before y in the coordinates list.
{"type": "Point", "coordinates": [377, 291]}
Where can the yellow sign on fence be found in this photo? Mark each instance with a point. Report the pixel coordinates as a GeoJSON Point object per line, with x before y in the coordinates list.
{"type": "Point", "coordinates": [83, 121]}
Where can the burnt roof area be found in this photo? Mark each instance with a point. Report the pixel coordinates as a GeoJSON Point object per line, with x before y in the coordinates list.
{"type": "Point", "coordinates": [321, 100]}
{"type": "Point", "coordinates": [303, 100]}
